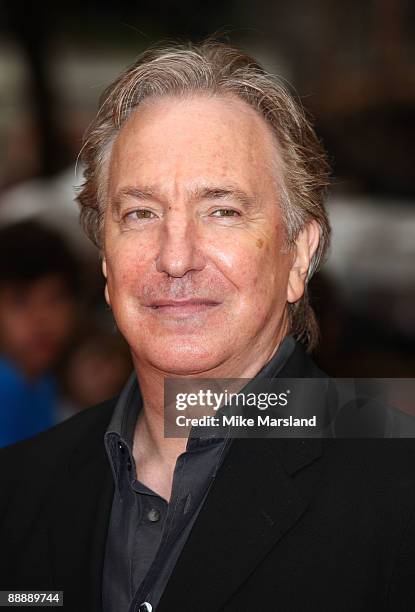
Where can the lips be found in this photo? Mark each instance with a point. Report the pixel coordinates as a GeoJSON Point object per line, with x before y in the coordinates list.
{"type": "Point", "coordinates": [182, 307]}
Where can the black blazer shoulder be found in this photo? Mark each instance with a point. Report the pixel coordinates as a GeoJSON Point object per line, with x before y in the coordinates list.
{"type": "Point", "coordinates": [48, 446]}
{"type": "Point", "coordinates": [45, 450]}
{"type": "Point", "coordinates": [313, 517]}
{"type": "Point", "coordinates": [29, 468]}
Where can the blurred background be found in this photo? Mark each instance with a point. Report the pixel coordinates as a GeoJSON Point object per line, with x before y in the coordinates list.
{"type": "Point", "coordinates": [353, 66]}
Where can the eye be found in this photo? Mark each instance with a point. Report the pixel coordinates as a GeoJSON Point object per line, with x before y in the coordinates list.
{"type": "Point", "coordinates": [225, 212]}
{"type": "Point", "coordinates": [141, 213]}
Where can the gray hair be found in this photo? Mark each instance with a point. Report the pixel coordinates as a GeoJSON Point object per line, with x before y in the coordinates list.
{"type": "Point", "coordinates": [216, 68]}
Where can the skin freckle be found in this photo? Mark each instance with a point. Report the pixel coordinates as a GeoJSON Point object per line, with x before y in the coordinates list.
{"type": "Point", "coordinates": [259, 243]}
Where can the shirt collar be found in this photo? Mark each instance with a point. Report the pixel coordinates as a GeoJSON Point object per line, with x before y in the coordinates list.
{"type": "Point", "coordinates": [274, 366]}
{"type": "Point", "coordinates": [120, 433]}
{"type": "Point", "coordinates": [126, 411]}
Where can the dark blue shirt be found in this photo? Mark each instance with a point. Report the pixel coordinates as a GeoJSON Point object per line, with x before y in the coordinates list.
{"type": "Point", "coordinates": [146, 533]}
{"type": "Point", "coordinates": [26, 408]}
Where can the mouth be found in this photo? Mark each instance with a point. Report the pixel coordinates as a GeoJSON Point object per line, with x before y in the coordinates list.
{"type": "Point", "coordinates": [180, 308]}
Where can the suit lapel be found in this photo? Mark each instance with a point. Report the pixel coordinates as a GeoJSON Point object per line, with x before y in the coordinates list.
{"type": "Point", "coordinates": [80, 512]}
{"type": "Point", "coordinates": [253, 502]}
{"type": "Point", "coordinates": [251, 505]}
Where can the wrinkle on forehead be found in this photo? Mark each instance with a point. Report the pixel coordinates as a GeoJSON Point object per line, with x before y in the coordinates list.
{"type": "Point", "coordinates": [214, 115]}
{"type": "Point", "coordinates": [177, 145]}
{"type": "Point", "coordinates": [193, 193]}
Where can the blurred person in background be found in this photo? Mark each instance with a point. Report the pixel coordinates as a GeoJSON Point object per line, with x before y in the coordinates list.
{"type": "Point", "coordinates": [39, 283]}
{"type": "Point", "coordinates": [96, 368]}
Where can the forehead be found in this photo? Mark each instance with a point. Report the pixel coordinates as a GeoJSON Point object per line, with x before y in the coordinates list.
{"type": "Point", "coordinates": [192, 138]}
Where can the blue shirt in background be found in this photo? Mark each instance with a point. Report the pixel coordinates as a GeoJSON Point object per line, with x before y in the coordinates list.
{"type": "Point", "coordinates": [26, 407]}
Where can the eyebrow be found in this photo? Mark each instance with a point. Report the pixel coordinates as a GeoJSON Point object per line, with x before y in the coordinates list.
{"type": "Point", "coordinates": [226, 192]}
{"type": "Point", "coordinates": [130, 192]}
{"type": "Point", "coordinates": [195, 194]}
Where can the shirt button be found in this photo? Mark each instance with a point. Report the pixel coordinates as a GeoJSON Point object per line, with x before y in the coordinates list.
{"type": "Point", "coordinates": [153, 515]}
{"type": "Point", "coordinates": [145, 607]}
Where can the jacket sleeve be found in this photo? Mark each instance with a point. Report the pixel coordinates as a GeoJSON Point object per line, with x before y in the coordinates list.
{"type": "Point", "coordinates": [401, 591]}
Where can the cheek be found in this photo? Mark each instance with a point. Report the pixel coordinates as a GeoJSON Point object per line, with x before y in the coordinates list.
{"type": "Point", "coordinates": [121, 282]}
{"type": "Point", "coordinates": [261, 271]}
{"type": "Point", "coordinates": [125, 266]}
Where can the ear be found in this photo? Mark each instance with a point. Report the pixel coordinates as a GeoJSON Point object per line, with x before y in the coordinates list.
{"type": "Point", "coordinates": [104, 272]}
{"type": "Point", "coordinates": [305, 247]}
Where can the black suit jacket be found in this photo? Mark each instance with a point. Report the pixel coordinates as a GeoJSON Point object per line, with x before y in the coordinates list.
{"type": "Point", "coordinates": [294, 524]}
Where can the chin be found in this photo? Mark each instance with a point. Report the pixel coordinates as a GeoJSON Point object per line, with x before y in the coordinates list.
{"type": "Point", "coordinates": [183, 360]}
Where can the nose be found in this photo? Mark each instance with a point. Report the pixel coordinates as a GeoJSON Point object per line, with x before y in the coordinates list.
{"type": "Point", "coordinates": [180, 248]}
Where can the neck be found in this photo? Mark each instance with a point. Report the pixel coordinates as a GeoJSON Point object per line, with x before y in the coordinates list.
{"type": "Point", "coordinates": [155, 456]}
{"type": "Point", "coordinates": [149, 437]}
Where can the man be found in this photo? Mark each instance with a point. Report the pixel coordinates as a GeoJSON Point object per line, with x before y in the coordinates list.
{"type": "Point", "coordinates": [38, 288]}
{"type": "Point", "coordinates": [204, 188]}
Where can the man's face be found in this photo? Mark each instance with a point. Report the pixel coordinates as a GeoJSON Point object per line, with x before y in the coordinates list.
{"type": "Point", "coordinates": [36, 320]}
{"type": "Point", "coordinates": [196, 270]}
